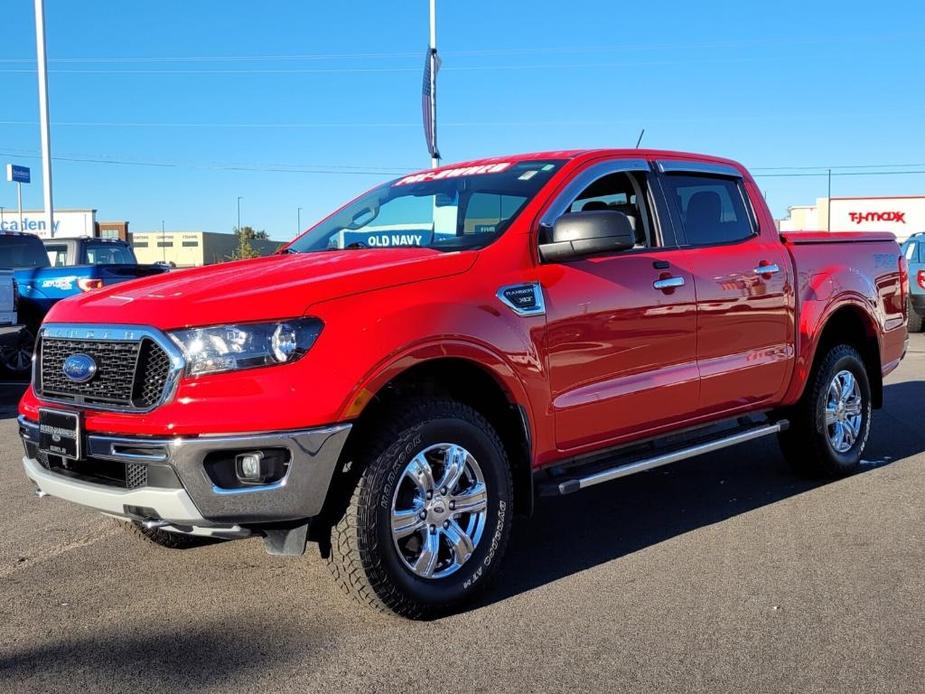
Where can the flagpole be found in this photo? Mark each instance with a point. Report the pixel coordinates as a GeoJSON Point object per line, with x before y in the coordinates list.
{"type": "Point", "coordinates": [43, 116]}
{"type": "Point", "coordinates": [435, 159]}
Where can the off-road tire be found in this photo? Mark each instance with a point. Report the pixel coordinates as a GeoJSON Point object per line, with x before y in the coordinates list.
{"type": "Point", "coordinates": [363, 558]}
{"type": "Point", "coordinates": [806, 444]}
{"type": "Point", "coordinates": [163, 538]}
{"type": "Point", "coordinates": [915, 320]}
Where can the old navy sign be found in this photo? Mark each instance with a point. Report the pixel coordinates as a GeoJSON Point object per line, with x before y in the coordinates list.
{"type": "Point", "coordinates": [387, 239]}
{"type": "Point", "coordinates": [890, 216]}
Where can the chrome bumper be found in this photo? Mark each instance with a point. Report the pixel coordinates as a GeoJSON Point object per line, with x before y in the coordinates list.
{"type": "Point", "coordinates": [197, 500]}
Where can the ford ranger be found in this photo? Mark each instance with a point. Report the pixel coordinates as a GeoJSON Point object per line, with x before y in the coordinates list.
{"type": "Point", "coordinates": [409, 374]}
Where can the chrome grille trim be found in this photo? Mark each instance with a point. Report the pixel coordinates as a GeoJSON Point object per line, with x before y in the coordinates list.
{"type": "Point", "coordinates": [109, 333]}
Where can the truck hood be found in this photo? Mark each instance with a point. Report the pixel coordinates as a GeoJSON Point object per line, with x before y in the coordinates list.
{"type": "Point", "coordinates": [279, 286]}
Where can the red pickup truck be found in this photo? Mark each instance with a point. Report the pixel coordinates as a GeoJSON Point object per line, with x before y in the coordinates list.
{"type": "Point", "coordinates": [414, 370]}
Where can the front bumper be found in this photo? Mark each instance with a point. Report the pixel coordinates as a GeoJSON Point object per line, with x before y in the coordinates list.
{"type": "Point", "coordinates": [189, 497]}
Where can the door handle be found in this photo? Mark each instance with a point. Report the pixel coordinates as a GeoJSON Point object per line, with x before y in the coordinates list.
{"type": "Point", "coordinates": [668, 283]}
{"type": "Point", "coordinates": [767, 269]}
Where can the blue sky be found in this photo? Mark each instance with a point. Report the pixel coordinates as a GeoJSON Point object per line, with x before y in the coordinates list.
{"type": "Point", "coordinates": [303, 104]}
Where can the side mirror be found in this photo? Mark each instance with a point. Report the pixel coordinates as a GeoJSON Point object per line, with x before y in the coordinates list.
{"type": "Point", "coordinates": [578, 234]}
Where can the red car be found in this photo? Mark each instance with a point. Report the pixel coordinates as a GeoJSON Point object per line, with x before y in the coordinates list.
{"type": "Point", "coordinates": [407, 375]}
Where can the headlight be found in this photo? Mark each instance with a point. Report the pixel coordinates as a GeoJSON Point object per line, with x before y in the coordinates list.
{"type": "Point", "coordinates": [245, 345]}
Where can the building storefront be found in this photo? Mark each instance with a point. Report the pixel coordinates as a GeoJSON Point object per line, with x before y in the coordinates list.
{"type": "Point", "coordinates": [192, 248]}
{"type": "Point", "coordinates": [69, 223]}
{"type": "Point", "coordinates": [901, 215]}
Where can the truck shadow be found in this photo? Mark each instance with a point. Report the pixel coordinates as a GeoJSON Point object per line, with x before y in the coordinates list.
{"type": "Point", "coordinates": [161, 657]}
{"type": "Point", "coordinates": [569, 534]}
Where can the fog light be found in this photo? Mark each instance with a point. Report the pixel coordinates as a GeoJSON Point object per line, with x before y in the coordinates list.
{"type": "Point", "coordinates": [249, 467]}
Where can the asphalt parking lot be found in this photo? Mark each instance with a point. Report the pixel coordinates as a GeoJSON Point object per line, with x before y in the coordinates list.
{"type": "Point", "coordinates": [726, 574]}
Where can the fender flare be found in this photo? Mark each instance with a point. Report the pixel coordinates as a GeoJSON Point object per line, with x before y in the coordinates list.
{"type": "Point", "coordinates": [806, 360]}
{"type": "Point", "coordinates": [477, 353]}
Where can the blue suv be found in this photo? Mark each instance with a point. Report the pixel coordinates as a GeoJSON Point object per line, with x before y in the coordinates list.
{"type": "Point", "coordinates": [914, 250]}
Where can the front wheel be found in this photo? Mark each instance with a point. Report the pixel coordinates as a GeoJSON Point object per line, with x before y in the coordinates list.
{"type": "Point", "coordinates": [831, 423]}
{"type": "Point", "coordinates": [16, 358]}
{"type": "Point", "coordinates": [429, 518]}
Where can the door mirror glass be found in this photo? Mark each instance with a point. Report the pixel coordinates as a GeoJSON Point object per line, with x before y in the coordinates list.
{"type": "Point", "coordinates": [580, 234]}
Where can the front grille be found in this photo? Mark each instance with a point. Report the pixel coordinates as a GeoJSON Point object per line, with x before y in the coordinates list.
{"type": "Point", "coordinates": [153, 370]}
{"type": "Point", "coordinates": [130, 375]}
{"type": "Point", "coordinates": [135, 476]}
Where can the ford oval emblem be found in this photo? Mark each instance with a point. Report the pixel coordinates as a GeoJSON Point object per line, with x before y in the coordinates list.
{"type": "Point", "coordinates": [79, 368]}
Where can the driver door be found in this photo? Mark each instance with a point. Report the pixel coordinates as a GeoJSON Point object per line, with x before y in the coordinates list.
{"type": "Point", "coordinates": [621, 327]}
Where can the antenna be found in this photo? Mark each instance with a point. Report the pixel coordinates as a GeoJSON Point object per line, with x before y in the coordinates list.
{"type": "Point", "coordinates": [640, 138]}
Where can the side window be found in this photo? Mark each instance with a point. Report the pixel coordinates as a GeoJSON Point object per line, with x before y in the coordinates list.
{"type": "Point", "coordinates": [911, 251]}
{"type": "Point", "coordinates": [712, 209]}
{"type": "Point", "coordinates": [622, 192]}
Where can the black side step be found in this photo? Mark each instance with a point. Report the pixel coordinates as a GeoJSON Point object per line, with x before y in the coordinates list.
{"type": "Point", "coordinates": [622, 468]}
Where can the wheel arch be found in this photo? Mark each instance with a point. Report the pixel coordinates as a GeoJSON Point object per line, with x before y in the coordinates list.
{"type": "Point", "coordinates": [851, 324]}
{"type": "Point", "coordinates": [488, 385]}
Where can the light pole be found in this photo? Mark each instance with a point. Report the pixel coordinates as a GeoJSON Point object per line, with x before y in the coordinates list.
{"type": "Point", "coordinates": [163, 242]}
{"type": "Point", "coordinates": [298, 224]}
{"type": "Point", "coordinates": [43, 115]}
{"type": "Point", "coordinates": [239, 214]}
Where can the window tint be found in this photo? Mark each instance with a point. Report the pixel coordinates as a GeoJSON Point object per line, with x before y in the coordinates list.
{"type": "Point", "coordinates": [620, 192]}
{"type": "Point", "coordinates": [712, 210]}
{"type": "Point", "coordinates": [22, 251]}
{"type": "Point", "coordinates": [109, 254]}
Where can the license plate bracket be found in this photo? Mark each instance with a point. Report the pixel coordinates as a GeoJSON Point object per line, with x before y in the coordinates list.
{"type": "Point", "coordinates": [60, 433]}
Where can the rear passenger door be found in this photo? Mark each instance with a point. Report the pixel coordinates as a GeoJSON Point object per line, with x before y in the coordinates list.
{"type": "Point", "coordinates": [743, 276]}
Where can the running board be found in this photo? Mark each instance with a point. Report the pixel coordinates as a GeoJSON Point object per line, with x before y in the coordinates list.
{"type": "Point", "coordinates": [577, 483]}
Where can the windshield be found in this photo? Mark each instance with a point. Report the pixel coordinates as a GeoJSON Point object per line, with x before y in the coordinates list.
{"type": "Point", "coordinates": [22, 251]}
{"type": "Point", "coordinates": [449, 209]}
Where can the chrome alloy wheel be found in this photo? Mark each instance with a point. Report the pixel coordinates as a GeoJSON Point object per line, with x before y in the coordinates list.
{"type": "Point", "coordinates": [844, 409]}
{"type": "Point", "coordinates": [439, 509]}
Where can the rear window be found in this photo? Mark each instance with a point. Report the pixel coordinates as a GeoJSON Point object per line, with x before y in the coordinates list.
{"type": "Point", "coordinates": [22, 251]}
{"type": "Point", "coordinates": [712, 209]}
{"type": "Point", "coordinates": [57, 253]}
{"type": "Point", "coordinates": [103, 253]}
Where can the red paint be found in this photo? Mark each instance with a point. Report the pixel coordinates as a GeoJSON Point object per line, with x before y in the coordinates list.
{"type": "Point", "coordinates": [612, 360]}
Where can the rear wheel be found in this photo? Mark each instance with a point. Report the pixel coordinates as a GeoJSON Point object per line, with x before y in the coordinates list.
{"type": "Point", "coordinates": [830, 425]}
{"type": "Point", "coordinates": [915, 320]}
{"type": "Point", "coordinates": [429, 519]}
